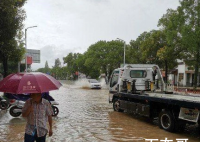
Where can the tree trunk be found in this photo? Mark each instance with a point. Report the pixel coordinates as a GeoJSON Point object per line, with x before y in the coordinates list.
{"type": "Point", "coordinates": [196, 69]}
{"type": "Point", "coordinates": [5, 66]}
{"type": "Point", "coordinates": [166, 69]}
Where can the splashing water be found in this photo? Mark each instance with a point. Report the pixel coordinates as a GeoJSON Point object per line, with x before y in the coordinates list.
{"type": "Point", "coordinates": [103, 83]}
{"type": "Point", "coordinates": [82, 83]}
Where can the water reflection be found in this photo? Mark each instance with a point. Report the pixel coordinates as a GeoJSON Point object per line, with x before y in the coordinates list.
{"type": "Point", "coordinates": [126, 127]}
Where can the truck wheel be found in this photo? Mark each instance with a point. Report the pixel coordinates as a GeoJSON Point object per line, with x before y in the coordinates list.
{"type": "Point", "coordinates": [166, 121]}
{"type": "Point", "coordinates": [116, 105]}
{"type": "Point", "coordinates": [13, 113]}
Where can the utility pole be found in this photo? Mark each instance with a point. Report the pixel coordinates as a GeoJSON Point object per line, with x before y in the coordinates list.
{"type": "Point", "coordinates": [26, 44]}
{"type": "Point", "coordinates": [124, 48]}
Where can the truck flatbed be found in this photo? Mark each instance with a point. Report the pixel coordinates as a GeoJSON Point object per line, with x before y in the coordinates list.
{"type": "Point", "coordinates": [140, 89]}
{"type": "Point", "coordinates": [188, 101]}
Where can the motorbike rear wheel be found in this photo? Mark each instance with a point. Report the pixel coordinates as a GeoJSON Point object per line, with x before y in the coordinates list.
{"type": "Point", "coordinates": [13, 113]}
{"type": "Point", "coordinates": [55, 111]}
{"type": "Point", "coordinates": [4, 105]}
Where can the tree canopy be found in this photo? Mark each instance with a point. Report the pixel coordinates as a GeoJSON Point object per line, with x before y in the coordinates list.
{"type": "Point", "coordinates": [101, 57]}
{"type": "Point", "coordinates": [11, 18]}
{"type": "Point", "coordinates": [182, 29]}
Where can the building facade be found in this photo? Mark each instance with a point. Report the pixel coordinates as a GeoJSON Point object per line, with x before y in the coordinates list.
{"type": "Point", "coordinates": [183, 75]}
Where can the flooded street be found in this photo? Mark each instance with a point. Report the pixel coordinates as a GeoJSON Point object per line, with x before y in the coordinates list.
{"type": "Point", "coordinates": [85, 115]}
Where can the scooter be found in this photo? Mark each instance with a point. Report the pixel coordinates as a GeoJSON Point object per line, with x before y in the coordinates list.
{"type": "Point", "coordinates": [52, 102]}
{"type": "Point", "coordinates": [3, 103]}
{"type": "Point", "coordinates": [55, 109]}
{"type": "Point", "coordinates": [12, 99]}
{"type": "Point", "coordinates": [16, 108]}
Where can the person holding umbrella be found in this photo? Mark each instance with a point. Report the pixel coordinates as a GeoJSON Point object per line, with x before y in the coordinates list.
{"type": "Point", "coordinates": [37, 111]}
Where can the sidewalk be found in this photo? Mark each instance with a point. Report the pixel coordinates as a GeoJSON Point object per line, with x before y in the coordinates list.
{"type": "Point", "coordinates": [187, 90]}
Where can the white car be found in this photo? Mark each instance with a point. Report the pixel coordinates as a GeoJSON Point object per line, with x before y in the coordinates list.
{"type": "Point", "coordinates": [94, 84]}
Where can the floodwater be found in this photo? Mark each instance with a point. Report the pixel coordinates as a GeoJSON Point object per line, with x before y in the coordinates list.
{"type": "Point", "coordinates": [86, 116]}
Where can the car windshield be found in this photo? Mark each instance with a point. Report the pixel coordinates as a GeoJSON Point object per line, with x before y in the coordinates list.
{"type": "Point", "coordinates": [93, 81]}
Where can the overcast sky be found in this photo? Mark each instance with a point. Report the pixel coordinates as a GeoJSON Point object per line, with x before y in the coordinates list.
{"type": "Point", "coordinates": [66, 26]}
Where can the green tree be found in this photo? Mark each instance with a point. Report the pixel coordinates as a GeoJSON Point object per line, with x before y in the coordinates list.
{"type": "Point", "coordinates": [134, 53]}
{"type": "Point", "coordinates": [56, 71]}
{"type": "Point", "coordinates": [69, 59]}
{"type": "Point", "coordinates": [156, 50]}
{"type": "Point", "coordinates": [12, 16]}
{"type": "Point", "coordinates": [80, 62]}
{"type": "Point", "coordinates": [182, 27]}
{"type": "Point", "coordinates": [46, 68]}
{"type": "Point", "coordinates": [152, 48]}
{"type": "Point", "coordinates": [95, 58]}
{"type": "Point", "coordinates": [57, 63]}
{"type": "Point", "coordinates": [103, 57]}
{"type": "Point", "coordinates": [72, 63]}
{"type": "Point", "coordinates": [41, 70]}
{"type": "Point", "coordinates": [46, 65]}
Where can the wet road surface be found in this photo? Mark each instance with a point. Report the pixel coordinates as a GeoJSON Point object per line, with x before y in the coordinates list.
{"type": "Point", "coordinates": [86, 116]}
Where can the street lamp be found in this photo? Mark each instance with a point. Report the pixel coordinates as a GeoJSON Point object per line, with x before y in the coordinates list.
{"type": "Point", "coordinates": [124, 48]}
{"type": "Point", "coordinates": [26, 44]}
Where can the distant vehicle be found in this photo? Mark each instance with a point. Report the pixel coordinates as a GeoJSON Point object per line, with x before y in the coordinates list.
{"type": "Point", "coordinates": [94, 84]}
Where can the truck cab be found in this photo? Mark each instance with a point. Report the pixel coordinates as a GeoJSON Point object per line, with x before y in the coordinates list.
{"type": "Point", "coordinates": [115, 80]}
{"type": "Point", "coordinates": [136, 78]}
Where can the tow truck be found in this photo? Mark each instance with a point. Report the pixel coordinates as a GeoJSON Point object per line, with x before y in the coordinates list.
{"type": "Point", "coordinates": [140, 89]}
